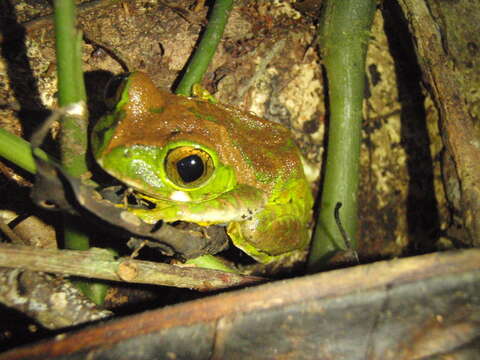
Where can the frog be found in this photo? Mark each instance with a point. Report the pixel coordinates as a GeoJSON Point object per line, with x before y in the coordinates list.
{"type": "Point", "coordinates": [203, 162]}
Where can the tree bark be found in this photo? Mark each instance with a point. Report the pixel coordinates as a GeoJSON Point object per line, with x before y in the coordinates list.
{"type": "Point", "coordinates": [447, 81]}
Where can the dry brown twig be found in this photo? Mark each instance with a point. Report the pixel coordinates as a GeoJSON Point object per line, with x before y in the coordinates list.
{"type": "Point", "coordinates": [101, 264]}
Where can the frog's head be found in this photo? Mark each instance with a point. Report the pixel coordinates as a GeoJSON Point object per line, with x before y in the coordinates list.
{"type": "Point", "coordinates": [176, 148]}
{"type": "Point", "coordinates": [178, 171]}
{"type": "Point", "coordinates": [145, 143]}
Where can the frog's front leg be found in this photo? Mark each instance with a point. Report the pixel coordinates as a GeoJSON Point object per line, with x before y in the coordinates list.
{"type": "Point", "coordinates": [271, 235]}
{"type": "Point", "coordinates": [280, 230]}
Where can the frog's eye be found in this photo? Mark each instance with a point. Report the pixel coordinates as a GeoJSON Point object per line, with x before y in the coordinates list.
{"type": "Point", "coordinates": [114, 89]}
{"type": "Point", "coordinates": [188, 167]}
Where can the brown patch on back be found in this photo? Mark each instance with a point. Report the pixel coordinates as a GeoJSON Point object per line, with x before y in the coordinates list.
{"type": "Point", "coordinates": [255, 147]}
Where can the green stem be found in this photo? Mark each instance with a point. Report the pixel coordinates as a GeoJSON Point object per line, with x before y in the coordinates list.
{"type": "Point", "coordinates": [343, 36]}
{"type": "Point", "coordinates": [68, 49]}
{"type": "Point", "coordinates": [73, 137]}
{"type": "Point", "coordinates": [76, 239]}
{"type": "Point", "coordinates": [198, 64]}
{"type": "Point", "coordinates": [19, 151]}
{"type": "Point", "coordinates": [71, 87]}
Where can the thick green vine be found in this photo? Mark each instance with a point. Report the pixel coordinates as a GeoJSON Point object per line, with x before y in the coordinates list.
{"type": "Point", "coordinates": [343, 37]}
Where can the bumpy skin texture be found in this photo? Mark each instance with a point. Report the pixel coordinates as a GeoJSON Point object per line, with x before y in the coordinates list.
{"type": "Point", "coordinates": [254, 178]}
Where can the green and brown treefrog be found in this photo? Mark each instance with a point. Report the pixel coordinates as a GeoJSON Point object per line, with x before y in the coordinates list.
{"type": "Point", "coordinates": [207, 164]}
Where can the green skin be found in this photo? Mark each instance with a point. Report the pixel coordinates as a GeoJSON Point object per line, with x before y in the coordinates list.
{"type": "Point", "coordinates": [267, 210]}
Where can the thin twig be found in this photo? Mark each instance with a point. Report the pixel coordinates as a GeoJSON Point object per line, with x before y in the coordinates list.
{"type": "Point", "coordinates": [346, 238]}
{"type": "Point", "coordinates": [10, 233]}
{"type": "Point", "coordinates": [203, 55]}
{"type": "Point", "coordinates": [101, 264]}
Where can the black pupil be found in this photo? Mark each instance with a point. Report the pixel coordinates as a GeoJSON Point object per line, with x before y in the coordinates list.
{"type": "Point", "coordinates": [190, 168]}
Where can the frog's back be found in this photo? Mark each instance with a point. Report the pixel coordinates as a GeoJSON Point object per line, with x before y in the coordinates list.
{"type": "Point", "coordinates": [264, 146]}
{"type": "Point", "coordinates": [262, 152]}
